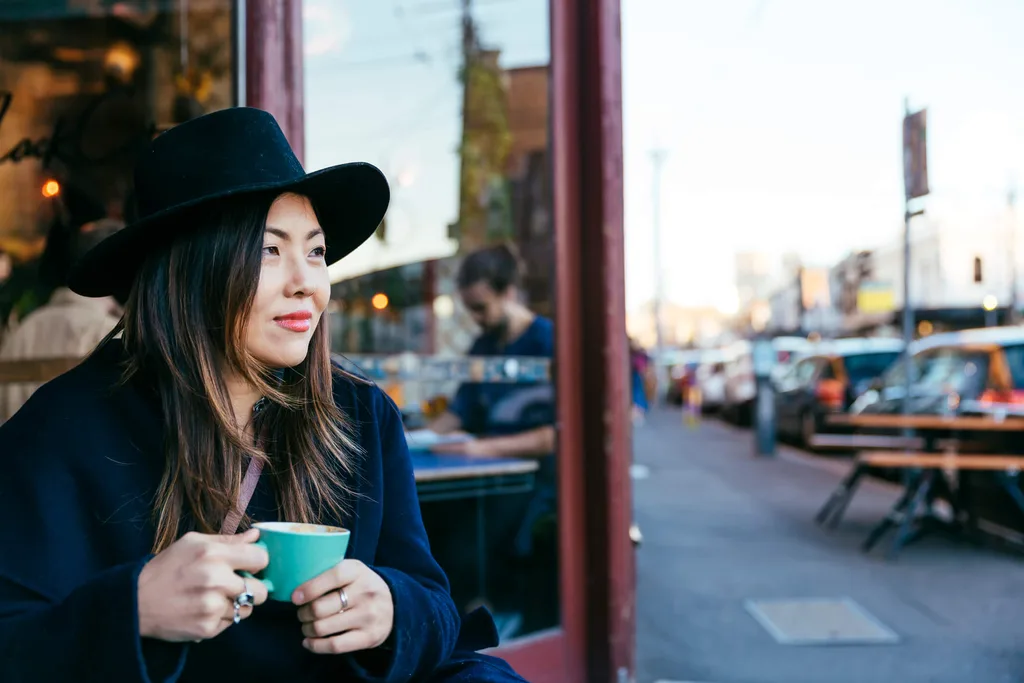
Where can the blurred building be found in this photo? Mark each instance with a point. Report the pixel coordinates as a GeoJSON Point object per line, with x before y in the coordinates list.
{"type": "Point", "coordinates": [528, 170]}
{"type": "Point", "coordinates": [803, 301]}
{"type": "Point", "coordinates": [957, 266]}
{"type": "Point", "coordinates": [755, 282]}
{"type": "Point", "coordinates": [682, 326]}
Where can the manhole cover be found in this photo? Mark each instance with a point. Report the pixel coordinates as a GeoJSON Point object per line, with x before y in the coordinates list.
{"type": "Point", "coordinates": [818, 621]}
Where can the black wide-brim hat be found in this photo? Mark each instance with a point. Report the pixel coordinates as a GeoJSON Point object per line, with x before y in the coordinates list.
{"type": "Point", "coordinates": [228, 153]}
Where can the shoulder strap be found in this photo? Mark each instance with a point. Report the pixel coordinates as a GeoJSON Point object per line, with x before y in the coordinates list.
{"type": "Point", "coordinates": [252, 478]}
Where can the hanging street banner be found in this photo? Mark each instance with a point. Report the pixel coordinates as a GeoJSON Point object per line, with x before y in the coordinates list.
{"type": "Point", "coordinates": [915, 154]}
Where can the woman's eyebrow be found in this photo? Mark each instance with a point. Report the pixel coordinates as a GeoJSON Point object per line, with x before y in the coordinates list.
{"type": "Point", "coordinates": [285, 236]}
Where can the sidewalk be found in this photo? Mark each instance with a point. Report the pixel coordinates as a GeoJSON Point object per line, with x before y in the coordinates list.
{"type": "Point", "coordinates": [721, 527]}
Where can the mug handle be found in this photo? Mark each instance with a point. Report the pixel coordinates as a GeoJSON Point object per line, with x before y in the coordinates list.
{"type": "Point", "coordinates": [266, 582]}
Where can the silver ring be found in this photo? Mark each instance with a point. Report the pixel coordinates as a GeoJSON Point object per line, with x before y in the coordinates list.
{"type": "Point", "coordinates": [344, 600]}
{"type": "Point", "coordinates": [243, 599]}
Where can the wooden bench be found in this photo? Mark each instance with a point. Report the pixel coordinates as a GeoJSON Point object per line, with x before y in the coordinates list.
{"type": "Point", "coordinates": [926, 480]}
{"type": "Point", "coordinates": [943, 461]}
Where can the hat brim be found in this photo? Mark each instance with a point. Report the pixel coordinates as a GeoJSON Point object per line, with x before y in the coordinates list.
{"type": "Point", "coordinates": [350, 201]}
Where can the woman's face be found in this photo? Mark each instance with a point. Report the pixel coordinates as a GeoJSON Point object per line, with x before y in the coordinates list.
{"type": "Point", "coordinates": [294, 286]}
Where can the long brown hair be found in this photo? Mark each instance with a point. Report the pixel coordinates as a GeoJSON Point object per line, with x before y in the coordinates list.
{"type": "Point", "coordinates": [184, 326]}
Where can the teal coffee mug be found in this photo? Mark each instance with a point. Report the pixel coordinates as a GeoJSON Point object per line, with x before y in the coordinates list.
{"type": "Point", "coordinates": [298, 552]}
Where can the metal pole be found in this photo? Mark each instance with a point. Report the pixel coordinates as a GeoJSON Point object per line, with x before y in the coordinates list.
{"type": "Point", "coordinates": [658, 158]}
{"type": "Point", "coordinates": [908, 312]}
{"type": "Point", "coordinates": [1011, 199]}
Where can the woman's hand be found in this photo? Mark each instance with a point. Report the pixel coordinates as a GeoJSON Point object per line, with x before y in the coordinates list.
{"type": "Point", "coordinates": [187, 591]}
{"type": "Point", "coordinates": [363, 625]}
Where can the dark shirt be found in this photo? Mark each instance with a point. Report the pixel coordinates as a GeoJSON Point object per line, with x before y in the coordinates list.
{"type": "Point", "coordinates": [81, 462]}
{"type": "Point", "coordinates": [498, 409]}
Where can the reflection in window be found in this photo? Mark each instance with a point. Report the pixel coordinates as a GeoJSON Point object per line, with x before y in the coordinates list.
{"type": "Point", "coordinates": [454, 109]}
{"type": "Point", "coordinates": [83, 86]}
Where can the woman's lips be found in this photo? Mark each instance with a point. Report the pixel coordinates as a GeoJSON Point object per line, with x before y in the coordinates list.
{"type": "Point", "coordinates": [299, 321]}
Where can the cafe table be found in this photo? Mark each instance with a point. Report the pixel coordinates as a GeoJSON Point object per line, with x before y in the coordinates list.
{"type": "Point", "coordinates": [442, 477]}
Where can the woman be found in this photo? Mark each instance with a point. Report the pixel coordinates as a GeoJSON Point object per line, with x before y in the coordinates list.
{"type": "Point", "coordinates": [214, 405]}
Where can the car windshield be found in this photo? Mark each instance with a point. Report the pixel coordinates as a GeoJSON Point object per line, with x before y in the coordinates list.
{"type": "Point", "coordinates": [863, 366]}
{"type": "Point", "coordinates": [952, 370]}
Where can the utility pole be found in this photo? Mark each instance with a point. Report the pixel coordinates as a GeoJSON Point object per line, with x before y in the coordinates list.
{"type": "Point", "coordinates": [465, 229]}
{"type": "Point", "coordinates": [1011, 200]}
{"type": "Point", "coordinates": [908, 312]}
{"type": "Point", "coordinates": [915, 182]}
{"type": "Point", "coordinates": [468, 32]}
{"type": "Point", "coordinates": [658, 159]}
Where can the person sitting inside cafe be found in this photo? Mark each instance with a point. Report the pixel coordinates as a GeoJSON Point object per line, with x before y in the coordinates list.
{"type": "Point", "coordinates": [507, 419]}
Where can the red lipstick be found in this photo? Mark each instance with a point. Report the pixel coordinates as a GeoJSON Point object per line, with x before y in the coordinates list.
{"type": "Point", "coordinates": [299, 321]}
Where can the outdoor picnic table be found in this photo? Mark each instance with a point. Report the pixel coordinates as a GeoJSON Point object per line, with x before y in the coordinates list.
{"type": "Point", "coordinates": [929, 422]}
{"type": "Point", "coordinates": [926, 475]}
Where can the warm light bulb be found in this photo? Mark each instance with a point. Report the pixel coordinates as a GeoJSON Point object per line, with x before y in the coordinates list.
{"type": "Point", "coordinates": [379, 301]}
{"type": "Point", "coordinates": [51, 188]}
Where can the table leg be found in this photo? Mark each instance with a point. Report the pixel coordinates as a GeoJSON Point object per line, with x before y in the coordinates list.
{"type": "Point", "coordinates": [906, 533]}
{"type": "Point", "coordinates": [965, 500]}
{"type": "Point", "coordinates": [832, 511]}
{"type": "Point", "coordinates": [481, 548]}
{"type": "Point", "coordinates": [912, 484]}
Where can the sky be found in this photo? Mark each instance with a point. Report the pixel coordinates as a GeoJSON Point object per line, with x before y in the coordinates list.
{"type": "Point", "coordinates": [780, 120]}
{"type": "Point", "coordinates": [381, 85]}
{"type": "Point", "coordinates": [781, 123]}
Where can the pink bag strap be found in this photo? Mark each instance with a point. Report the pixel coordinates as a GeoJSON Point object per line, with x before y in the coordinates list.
{"type": "Point", "coordinates": [252, 478]}
{"type": "Point", "coordinates": [249, 482]}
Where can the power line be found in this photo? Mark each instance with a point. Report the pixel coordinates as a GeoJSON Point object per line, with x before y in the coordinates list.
{"type": "Point", "coordinates": [441, 6]}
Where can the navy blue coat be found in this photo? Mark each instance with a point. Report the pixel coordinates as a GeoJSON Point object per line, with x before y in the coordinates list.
{"type": "Point", "coordinates": [79, 465]}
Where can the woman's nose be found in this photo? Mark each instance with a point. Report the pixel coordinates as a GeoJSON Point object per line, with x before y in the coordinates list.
{"type": "Point", "coordinates": [300, 280]}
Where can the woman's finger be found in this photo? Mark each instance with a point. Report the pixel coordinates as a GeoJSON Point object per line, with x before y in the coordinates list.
{"type": "Point", "coordinates": [335, 624]}
{"type": "Point", "coordinates": [350, 641]}
{"type": "Point", "coordinates": [229, 615]}
{"type": "Point", "coordinates": [257, 588]}
{"type": "Point", "coordinates": [338, 576]}
{"type": "Point", "coordinates": [330, 604]}
{"type": "Point", "coordinates": [246, 557]}
{"type": "Point", "coordinates": [247, 536]}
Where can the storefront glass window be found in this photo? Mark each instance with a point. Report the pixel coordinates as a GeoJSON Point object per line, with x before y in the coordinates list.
{"type": "Point", "coordinates": [83, 85]}
{"type": "Point", "coordinates": [449, 307]}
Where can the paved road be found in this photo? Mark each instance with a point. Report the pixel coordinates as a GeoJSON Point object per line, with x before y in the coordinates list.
{"type": "Point", "coordinates": [721, 527]}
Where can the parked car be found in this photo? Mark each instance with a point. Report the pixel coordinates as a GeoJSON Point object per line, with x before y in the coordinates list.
{"type": "Point", "coordinates": [710, 380]}
{"type": "Point", "coordinates": [828, 382]}
{"type": "Point", "coordinates": [984, 366]}
{"type": "Point", "coordinates": [740, 383]}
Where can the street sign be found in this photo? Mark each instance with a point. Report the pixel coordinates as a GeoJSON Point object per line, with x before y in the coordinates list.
{"type": "Point", "coordinates": [915, 154]}
{"type": "Point", "coordinates": [875, 297]}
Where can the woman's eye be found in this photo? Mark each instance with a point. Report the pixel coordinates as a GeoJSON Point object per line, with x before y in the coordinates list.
{"type": "Point", "coordinates": [270, 251]}
{"type": "Point", "coordinates": [319, 252]}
